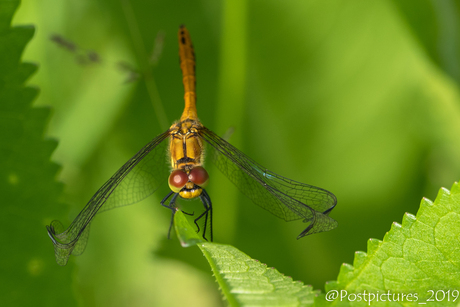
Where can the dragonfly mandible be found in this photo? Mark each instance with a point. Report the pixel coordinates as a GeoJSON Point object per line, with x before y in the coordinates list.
{"type": "Point", "coordinates": [183, 144]}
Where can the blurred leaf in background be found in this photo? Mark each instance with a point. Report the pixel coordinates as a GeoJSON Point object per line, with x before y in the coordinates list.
{"type": "Point", "coordinates": [357, 107]}
{"type": "Point", "coordinates": [350, 96]}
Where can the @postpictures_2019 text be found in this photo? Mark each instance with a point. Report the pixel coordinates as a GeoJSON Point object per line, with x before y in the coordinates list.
{"type": "Point", "coordinates": [430, 296]}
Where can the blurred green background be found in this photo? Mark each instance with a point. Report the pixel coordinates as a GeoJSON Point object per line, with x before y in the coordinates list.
{"type": "Point", "coordinates": [357, 97]}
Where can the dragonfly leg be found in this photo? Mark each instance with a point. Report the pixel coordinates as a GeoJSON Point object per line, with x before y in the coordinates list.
{"type": "Point", "coordinates": [171, 207]}
{"type": "Point", "coordinates": [206, 200]}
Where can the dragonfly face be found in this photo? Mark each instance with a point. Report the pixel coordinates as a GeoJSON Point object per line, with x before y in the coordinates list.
{"type": "Point", "coordinates": [141, 176]}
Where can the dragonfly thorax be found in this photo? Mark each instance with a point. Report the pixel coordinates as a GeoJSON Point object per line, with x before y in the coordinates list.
{"type": "Point", "coordinates": [187, 154]}
{"type": "Point", "coordinates": [186, 146]}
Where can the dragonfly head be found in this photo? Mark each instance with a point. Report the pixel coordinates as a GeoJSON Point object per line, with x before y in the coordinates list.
{"type": "Point", "coordinates": [190, 183]}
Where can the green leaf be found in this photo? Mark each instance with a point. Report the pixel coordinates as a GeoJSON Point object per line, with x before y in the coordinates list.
{"type": "Point", "coordinates": [417, 262]}
{"type": "Point", "coordinates": [187, 236]}
{"type": "Point", "coordinates": [418, 257]}
{"type": "Point", "coordinates": [245, 281]}
{"type": "Point", "coordinates": [28, 189]}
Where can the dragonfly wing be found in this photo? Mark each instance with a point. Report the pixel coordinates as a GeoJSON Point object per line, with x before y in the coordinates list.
{"type": "Point", "coordinates": [134, 181]}
{"type": "Point", "coordinates": [285, 198]}
{"type": "Point", "coordinates": [143, 179]}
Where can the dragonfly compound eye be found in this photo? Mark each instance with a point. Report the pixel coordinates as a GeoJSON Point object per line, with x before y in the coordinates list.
{"type": "Point", "coordinates": [177, 180]}
{"type": "Point", "coordinates": [199, 176]}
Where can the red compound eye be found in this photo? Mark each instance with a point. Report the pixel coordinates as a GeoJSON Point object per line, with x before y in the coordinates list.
{"type": "Point", "coordinates": [177, 180]}
{"type": "Point", "coordinates": [199, 176]}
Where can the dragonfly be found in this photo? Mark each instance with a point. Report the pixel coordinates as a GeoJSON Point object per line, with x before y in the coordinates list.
{"type": "Point", "coordinates": [184, 145]}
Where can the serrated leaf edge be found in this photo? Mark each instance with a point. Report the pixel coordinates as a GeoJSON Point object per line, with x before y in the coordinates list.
{"type": "Point", "coordinates": [349, 272]}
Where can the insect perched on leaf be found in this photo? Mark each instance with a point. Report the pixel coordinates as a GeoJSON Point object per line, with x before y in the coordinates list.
{"type": "Point", "coordinates": [183, 143]}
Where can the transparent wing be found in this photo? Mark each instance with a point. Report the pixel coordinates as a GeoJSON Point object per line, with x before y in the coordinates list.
{"type": "Point", "coordinates": [134, 181]}
{"type": "Point", "coordinates": [285, 198]}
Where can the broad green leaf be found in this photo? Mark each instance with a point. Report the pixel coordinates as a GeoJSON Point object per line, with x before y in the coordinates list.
{"type": "Point", "coordinates": [418, 258]}
{"type": "Point", "coordinates": [28, 190]}
{"type": "Point", "coordinates": [245, 281]}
